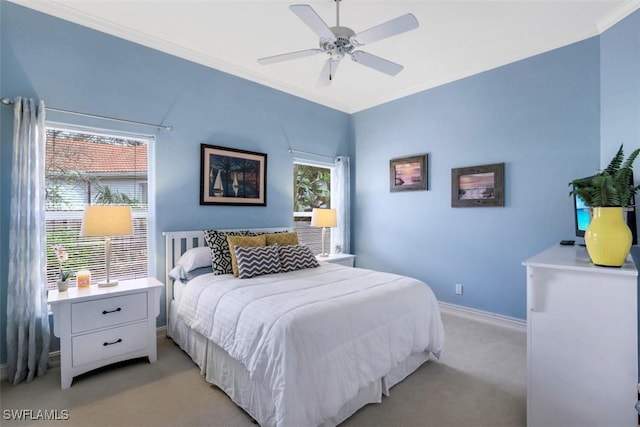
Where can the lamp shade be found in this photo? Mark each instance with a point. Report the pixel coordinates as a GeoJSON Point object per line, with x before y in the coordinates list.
{"type": "Point", "coordinates": [324, 218]}
{"type": "Point", "coordinates": [106, 221]}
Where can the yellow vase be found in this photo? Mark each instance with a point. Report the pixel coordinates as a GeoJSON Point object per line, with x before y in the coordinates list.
{"type": "Point", "coordinates": [608, 238]}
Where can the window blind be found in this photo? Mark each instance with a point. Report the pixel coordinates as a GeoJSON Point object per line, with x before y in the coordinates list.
{"type": "Point", "coordinates": [83, 168]}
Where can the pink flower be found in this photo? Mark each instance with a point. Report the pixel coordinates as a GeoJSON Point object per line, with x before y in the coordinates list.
{"type": "Point", "coordinates": [62, 256]}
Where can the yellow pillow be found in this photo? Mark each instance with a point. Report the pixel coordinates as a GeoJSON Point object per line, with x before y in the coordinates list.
{"type": "Point", "coordinates": [282, 238]}
{"type": "Point", "coordinates": [250, 241]}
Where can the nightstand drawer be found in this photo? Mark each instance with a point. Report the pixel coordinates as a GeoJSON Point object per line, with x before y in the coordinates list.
{"type": "Point", "coordinates": [105, 312]}
{"type": "Point", "coordinates": [90, 348]}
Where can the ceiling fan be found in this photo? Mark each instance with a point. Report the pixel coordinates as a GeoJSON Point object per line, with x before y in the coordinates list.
{"type": "Point", "coordinates": [337, 41]}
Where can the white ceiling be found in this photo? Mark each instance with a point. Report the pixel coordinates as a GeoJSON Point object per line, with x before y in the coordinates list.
{"type": "Point", "coordinates": [455, 38]}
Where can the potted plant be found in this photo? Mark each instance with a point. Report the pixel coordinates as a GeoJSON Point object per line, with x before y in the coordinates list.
{"type": "Point", "coordinates": [608, 193]}
{"type": "Point", "coordinates": [62, 256]}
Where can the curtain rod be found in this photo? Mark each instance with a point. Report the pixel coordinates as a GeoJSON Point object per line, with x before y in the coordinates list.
{"type": "Point", "coordinates": [7, 101]}
{"type": "Point", "coordinates": [310, 154]}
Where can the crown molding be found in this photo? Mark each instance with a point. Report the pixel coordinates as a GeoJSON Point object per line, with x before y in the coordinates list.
{"type": "Point", "coordinates": [621, 12]}
{"type": "Point", "coordinates": [59, 10]}
{"type": "Point", "coordinates": [62, 11]}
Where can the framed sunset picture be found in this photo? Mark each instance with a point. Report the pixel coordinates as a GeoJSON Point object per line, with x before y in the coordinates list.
{"type": "Point", "coordinates": [408, 173]}
{"type": "Point", "coordinates": [477, 186]}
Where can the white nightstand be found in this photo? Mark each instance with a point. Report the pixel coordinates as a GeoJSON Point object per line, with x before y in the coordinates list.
{"type": "Point", "coordinates": [100, 326]}
{"type": "Point", "coordinates": [344, 259]}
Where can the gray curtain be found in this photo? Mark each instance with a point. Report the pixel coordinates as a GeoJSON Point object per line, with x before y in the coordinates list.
{"type": "Point", "coordinates": [28, 331]}
{"type": "Point", "coordinates": [340, 201]}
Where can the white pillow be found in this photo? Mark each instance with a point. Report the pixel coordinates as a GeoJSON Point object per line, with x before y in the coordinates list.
{"type": "Point", "coordinates": [195, 258]}
{"type": "Point", "coordinates": [178, 273]}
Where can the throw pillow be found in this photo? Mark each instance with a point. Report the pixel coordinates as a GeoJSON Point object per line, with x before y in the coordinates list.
{"type": "Point", "coordinates": [250, 241]}
{"type": "Point", "coordinates": [296, 257]}
{"type": "Point", "coordinates": [282, 238]}
{"type": "Point", "coordinates": [256, 261]}
{"type": "Point", "coordinates": [220, 254]}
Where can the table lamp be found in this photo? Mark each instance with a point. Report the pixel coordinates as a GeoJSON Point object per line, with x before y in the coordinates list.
{"type": "Point", "coordinates": [106, 221]}
{"type": "Point", "coordinates": [324, 218]}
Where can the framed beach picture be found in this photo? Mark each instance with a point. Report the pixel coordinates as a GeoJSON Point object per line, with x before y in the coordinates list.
{"type": "Point", "coordinates": [477, 186]}
{"type": "Point", "coordinates": [408, 173]}
{"type": "Point", "coordinates": [229, 176]}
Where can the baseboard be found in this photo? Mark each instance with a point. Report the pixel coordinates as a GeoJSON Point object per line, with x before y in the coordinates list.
{"type": "Point", "coordinates": [483, 316]}
{"type": "Point", "coordinates": [161, 332]}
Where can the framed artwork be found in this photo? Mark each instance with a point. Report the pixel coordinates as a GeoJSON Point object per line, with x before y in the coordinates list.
{"type": "Point", "coordinates": [477, 186]}
{"type": "Point", "coordinates": [408, 173]}
{"type": "Point", "coordinates": [229, 176]}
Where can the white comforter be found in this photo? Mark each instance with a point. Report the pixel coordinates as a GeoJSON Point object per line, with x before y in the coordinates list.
{"type": "Point", "coordinates": [315, 337]}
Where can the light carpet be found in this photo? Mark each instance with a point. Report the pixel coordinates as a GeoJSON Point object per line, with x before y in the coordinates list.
{"type": "Point", "coordinates": [479, 381]}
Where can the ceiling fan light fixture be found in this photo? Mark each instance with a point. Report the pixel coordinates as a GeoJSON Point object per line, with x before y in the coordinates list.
{"type": "Point", "coordinates": [338, 40]}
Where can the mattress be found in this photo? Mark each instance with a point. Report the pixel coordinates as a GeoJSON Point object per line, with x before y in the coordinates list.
{"type": "Point", "coordinates": [307, 347]}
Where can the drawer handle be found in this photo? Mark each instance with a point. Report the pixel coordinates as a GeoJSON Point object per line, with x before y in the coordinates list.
{"type": "Point", "coordinates": [111, 311]}
{"type": "Point", "coordinates": [119, 340]}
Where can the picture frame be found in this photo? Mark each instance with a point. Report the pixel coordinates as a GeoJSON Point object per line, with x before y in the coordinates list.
{"type": "Point", "coordinates": [477, 186]}
{"type": "Point", "coordinates": [229, 176]}
{"type": "Point", "coordinates": [408, 173]}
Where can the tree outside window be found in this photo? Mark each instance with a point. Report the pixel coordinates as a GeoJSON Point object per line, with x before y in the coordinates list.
{"type": "Point", "coordinates": [311, 189]}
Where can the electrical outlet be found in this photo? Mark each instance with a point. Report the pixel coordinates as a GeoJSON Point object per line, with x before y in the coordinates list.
{"type": "Point", "coordinates": [458, 289]}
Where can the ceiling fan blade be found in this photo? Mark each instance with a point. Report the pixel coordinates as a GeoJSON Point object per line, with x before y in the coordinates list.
{"type": "Point", "coordinates": [313, 20]}
{"type": "Point", "coordinates": [390, 28]}
{"type": "Point", "coordinates": [288, 56]}
{"type": "Point", "coordinates": [328, 72]}
{"type": "Point", "coordinates": [377, 63]}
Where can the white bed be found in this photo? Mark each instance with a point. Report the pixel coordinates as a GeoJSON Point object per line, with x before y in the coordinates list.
{"type": "Point", "coordinates": [304, 348]}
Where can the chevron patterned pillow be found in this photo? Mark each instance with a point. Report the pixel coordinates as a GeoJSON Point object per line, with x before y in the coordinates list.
{"type": "Point", "coordinates": [257, 260]}
{"type": "Point", "coordinates": [220, 254]}
{"type": "Point", "coordinates": [235, 241]}
{"type": "Point", "coordinates": [296, 257]}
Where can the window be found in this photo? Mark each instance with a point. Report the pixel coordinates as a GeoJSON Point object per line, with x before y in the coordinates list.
{"type": "Point", "coordinates": [311, 189]}
{"type": "Point", "coordinates": [82, 168]}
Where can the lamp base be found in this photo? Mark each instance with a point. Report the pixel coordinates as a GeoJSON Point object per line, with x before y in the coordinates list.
{"type": "Point", "coordinates": [323, 255]}
{"type": "Point", "coordinates": [105, 284]}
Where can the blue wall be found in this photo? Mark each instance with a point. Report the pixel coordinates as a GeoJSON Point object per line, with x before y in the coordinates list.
{"type": "Point", "coordinates": [539, 116]}
{"type": "Point", "coordinates": [75, 68]}
{"type": "Point", "coordinates": [543, 117]}
{"type": "Point", "coordinates": [620, 89]}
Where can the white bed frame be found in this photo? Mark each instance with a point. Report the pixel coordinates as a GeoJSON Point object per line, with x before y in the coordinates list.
{"type": "Point", "coordinates": [226, 373]}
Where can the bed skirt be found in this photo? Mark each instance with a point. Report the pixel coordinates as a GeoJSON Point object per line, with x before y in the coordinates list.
{"type": "Point", "coordinates": [232, 377]}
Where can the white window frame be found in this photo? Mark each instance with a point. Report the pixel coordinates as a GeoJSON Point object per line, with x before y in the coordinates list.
{"type": "Point", "coordinates": [150, 182]}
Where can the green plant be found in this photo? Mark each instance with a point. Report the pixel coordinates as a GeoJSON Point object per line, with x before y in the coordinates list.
{"type": "Point", "coordinates": [312, 188]}
{"type": "Point", "coordinates": [611, 187]}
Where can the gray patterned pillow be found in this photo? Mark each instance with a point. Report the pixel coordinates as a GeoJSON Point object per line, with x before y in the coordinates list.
{"type": "Point", "coordinates": [257, 260]}
{"type": "Point", "coordinates": [296, 257]}
{"type": "Point", "coordinates": [220, 254]}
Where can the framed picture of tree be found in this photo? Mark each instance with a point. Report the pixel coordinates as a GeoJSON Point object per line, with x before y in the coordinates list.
{"type": "Point", "coordinates": [229, 176]}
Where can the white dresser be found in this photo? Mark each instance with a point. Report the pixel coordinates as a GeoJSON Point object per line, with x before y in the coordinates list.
{"type": "Point", "coordinates": [100, 326]}
{"type": "Point", "coordinates": [343, 259]}
{"type": "Point", "coordinates": [582, 341]}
